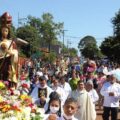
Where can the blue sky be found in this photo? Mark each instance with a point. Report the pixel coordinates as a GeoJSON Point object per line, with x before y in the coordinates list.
{"type": "Point", "coordinates": [80, 17]}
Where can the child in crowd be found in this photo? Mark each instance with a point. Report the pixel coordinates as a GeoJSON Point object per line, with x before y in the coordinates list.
{"type": "Point", "coordinates": [69, 109]}
{"type": "Point", "coordinates": [54, 107]}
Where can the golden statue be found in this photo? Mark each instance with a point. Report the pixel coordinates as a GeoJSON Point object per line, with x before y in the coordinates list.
{"type": "Point", "coordinates": [8, 52]}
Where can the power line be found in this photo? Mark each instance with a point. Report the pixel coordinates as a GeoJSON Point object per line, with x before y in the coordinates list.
{"type": "Point", "coordinates": [76, 37]}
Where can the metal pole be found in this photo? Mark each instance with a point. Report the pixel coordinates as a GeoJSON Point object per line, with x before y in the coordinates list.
{"type": "Point", "coordinates": [63, 40]}
{"type": "Point", "coordinates": [18, 19]}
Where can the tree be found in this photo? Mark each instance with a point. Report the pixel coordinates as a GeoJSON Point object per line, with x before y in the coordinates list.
{"type": "Point", "coordinates": [39, 32]}
{"type": "Point", "coordinates": [116, 24]}
{"type": "Point", "coordinates": [73, 52]}
{"type": "Point", "coordinates": [91, 52]}
{"type": "Point", "coordinates": [13, 32]}
{"type": "Point", "coordinates": [86, 41]}
{"type": "Point", "coordinates": [111, 45]}
{"type": "Point", "coordinates": [88, 47]}
{"type": "Point", "coordinates": [49, 30]}
{"type": "Point", "coordinates": [34, 22]}
{"type": "Point", "coordinates": [29, 34]}
{"type": "Point", "coordinates": [106, 47]}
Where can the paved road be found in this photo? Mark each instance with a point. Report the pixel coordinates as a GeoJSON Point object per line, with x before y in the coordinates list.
{"type": "Point", "coordinates": [99, 114]}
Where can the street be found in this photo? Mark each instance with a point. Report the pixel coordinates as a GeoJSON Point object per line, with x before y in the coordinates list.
{"type": "Point", "coordinates": [99, 113]}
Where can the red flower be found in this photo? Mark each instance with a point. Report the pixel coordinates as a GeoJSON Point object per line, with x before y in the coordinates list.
{"type": "Point", "coordinates": [31, 105]}
{"type": "Point", "coordinates": [25, 85]}
{"type": "Point", "coordinates": [15, 108]}
{"type": "Point", "coordinates": [11, 91]}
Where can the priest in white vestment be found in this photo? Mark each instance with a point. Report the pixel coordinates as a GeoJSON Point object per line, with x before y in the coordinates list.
{"type": "Point", "coordinates": [41, 90]}
{"type": "Point", "coordinates": [86, 108]}
{"type": "Point", "coordinates": [91, 91]}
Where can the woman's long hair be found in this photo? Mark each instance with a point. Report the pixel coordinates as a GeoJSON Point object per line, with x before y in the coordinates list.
{"type": "Point", "coordinates": [54, 96]}
{"type": "Point", "coordinates": [9, 33]}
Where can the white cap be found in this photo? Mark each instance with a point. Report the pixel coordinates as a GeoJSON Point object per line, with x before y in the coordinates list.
{"type": "Point", "coordinates": [39, 73]}
{"type": "Point", "coordinates": [90, 82]}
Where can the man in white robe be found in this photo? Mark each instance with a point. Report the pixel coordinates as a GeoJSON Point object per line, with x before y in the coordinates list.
{"type": "Point", "coordinates": [111, 92]}
{"type": "Point", "coordinates": [65, 86]}
{"type": "Point", "coordinates": [41, 90]}
{"type": "Point", "coordinates": [91, 91]}
{"type": "Point", "coordinates": [86, 109]}
{"type": "Point", "coordinates": [59, 90]}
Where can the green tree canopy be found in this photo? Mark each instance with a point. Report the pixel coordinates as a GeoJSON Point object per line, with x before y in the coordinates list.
{"type": "Point", "coordinates": [73, 52]}
{"type": "Point", "coordinates": [31, 35]}
{"type": "Point", "coordinates": [48, 30]}
{"type": "Point", "coordinates": [111, 45]}
{"type": "Point", "coordinates": [116, 24]}
{"type": "Point", "coordinates": [106, 47]}
{"type": "Point", "coordinates": [88, 47]}
{"type": "Point", "coordinates": [86, 41]}
{"type": "Point", "coordinates": [39, 32]}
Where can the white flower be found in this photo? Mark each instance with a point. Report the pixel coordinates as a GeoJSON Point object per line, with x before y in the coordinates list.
{"type": "Point", "coordinates": [38, 110]}
{"type": "Point", "coordinates": [16, 92]}
{"type": "Point", "coordinates": [10, 112]}
{"type": "Point", "coordinates": [13, 118]}
{"type": "Point", "coordinates": [33, 114]}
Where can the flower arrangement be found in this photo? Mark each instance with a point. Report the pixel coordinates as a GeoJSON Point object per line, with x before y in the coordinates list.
{"type": "Point", "coordinates": [16, 106]}
{"type": "Point", "coordinates": [2, 85]}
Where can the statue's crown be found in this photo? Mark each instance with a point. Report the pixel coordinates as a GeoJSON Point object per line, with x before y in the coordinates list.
{"type": "Point", "coordinates": [6, 19]}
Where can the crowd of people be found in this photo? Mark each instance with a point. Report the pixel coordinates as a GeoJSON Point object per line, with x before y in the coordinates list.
{"type": "Point", "coordinates": [61, 89]}
{"type": "Point", "coordinates": [55, 86]}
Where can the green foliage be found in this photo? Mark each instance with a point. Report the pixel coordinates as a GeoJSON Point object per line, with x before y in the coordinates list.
{"type": "Point", "coordinates": [106, 47]}
{"type": "Point", "coordinates": [34, 22]}
{"type": "Point", "coordinates": [37, 55]}
{"type": "Point", "coordinates": [88, 47]}
{"type": "Point", "coordinates": [29, 34]}
{"type": "Point", "coordinates": [90, 51]}
{"type": "Point", "coordinates": [73, 52]}
{"type": "Point", "coordinates": [86, 41]}
{"type": "Point", "coordinates": [37, 117]}
{"type": "Point", "coordinates": [49, 29]}
{"type": "Point", "coordinates": [50, 57]}
{"type": "Point", "coordinates": [111, 45]}
{"type": "Point", "coordinates": [13, 32]}
{"type": "Point", "coordinates": [116, 24]}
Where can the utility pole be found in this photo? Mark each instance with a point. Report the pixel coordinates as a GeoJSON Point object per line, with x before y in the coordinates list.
{"type": "Point", "coordinates": [63, 40]}
{"type": "Point", "coordinates": [21, 20]}
{"type": "Point", "coordinates": [68, 44]}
